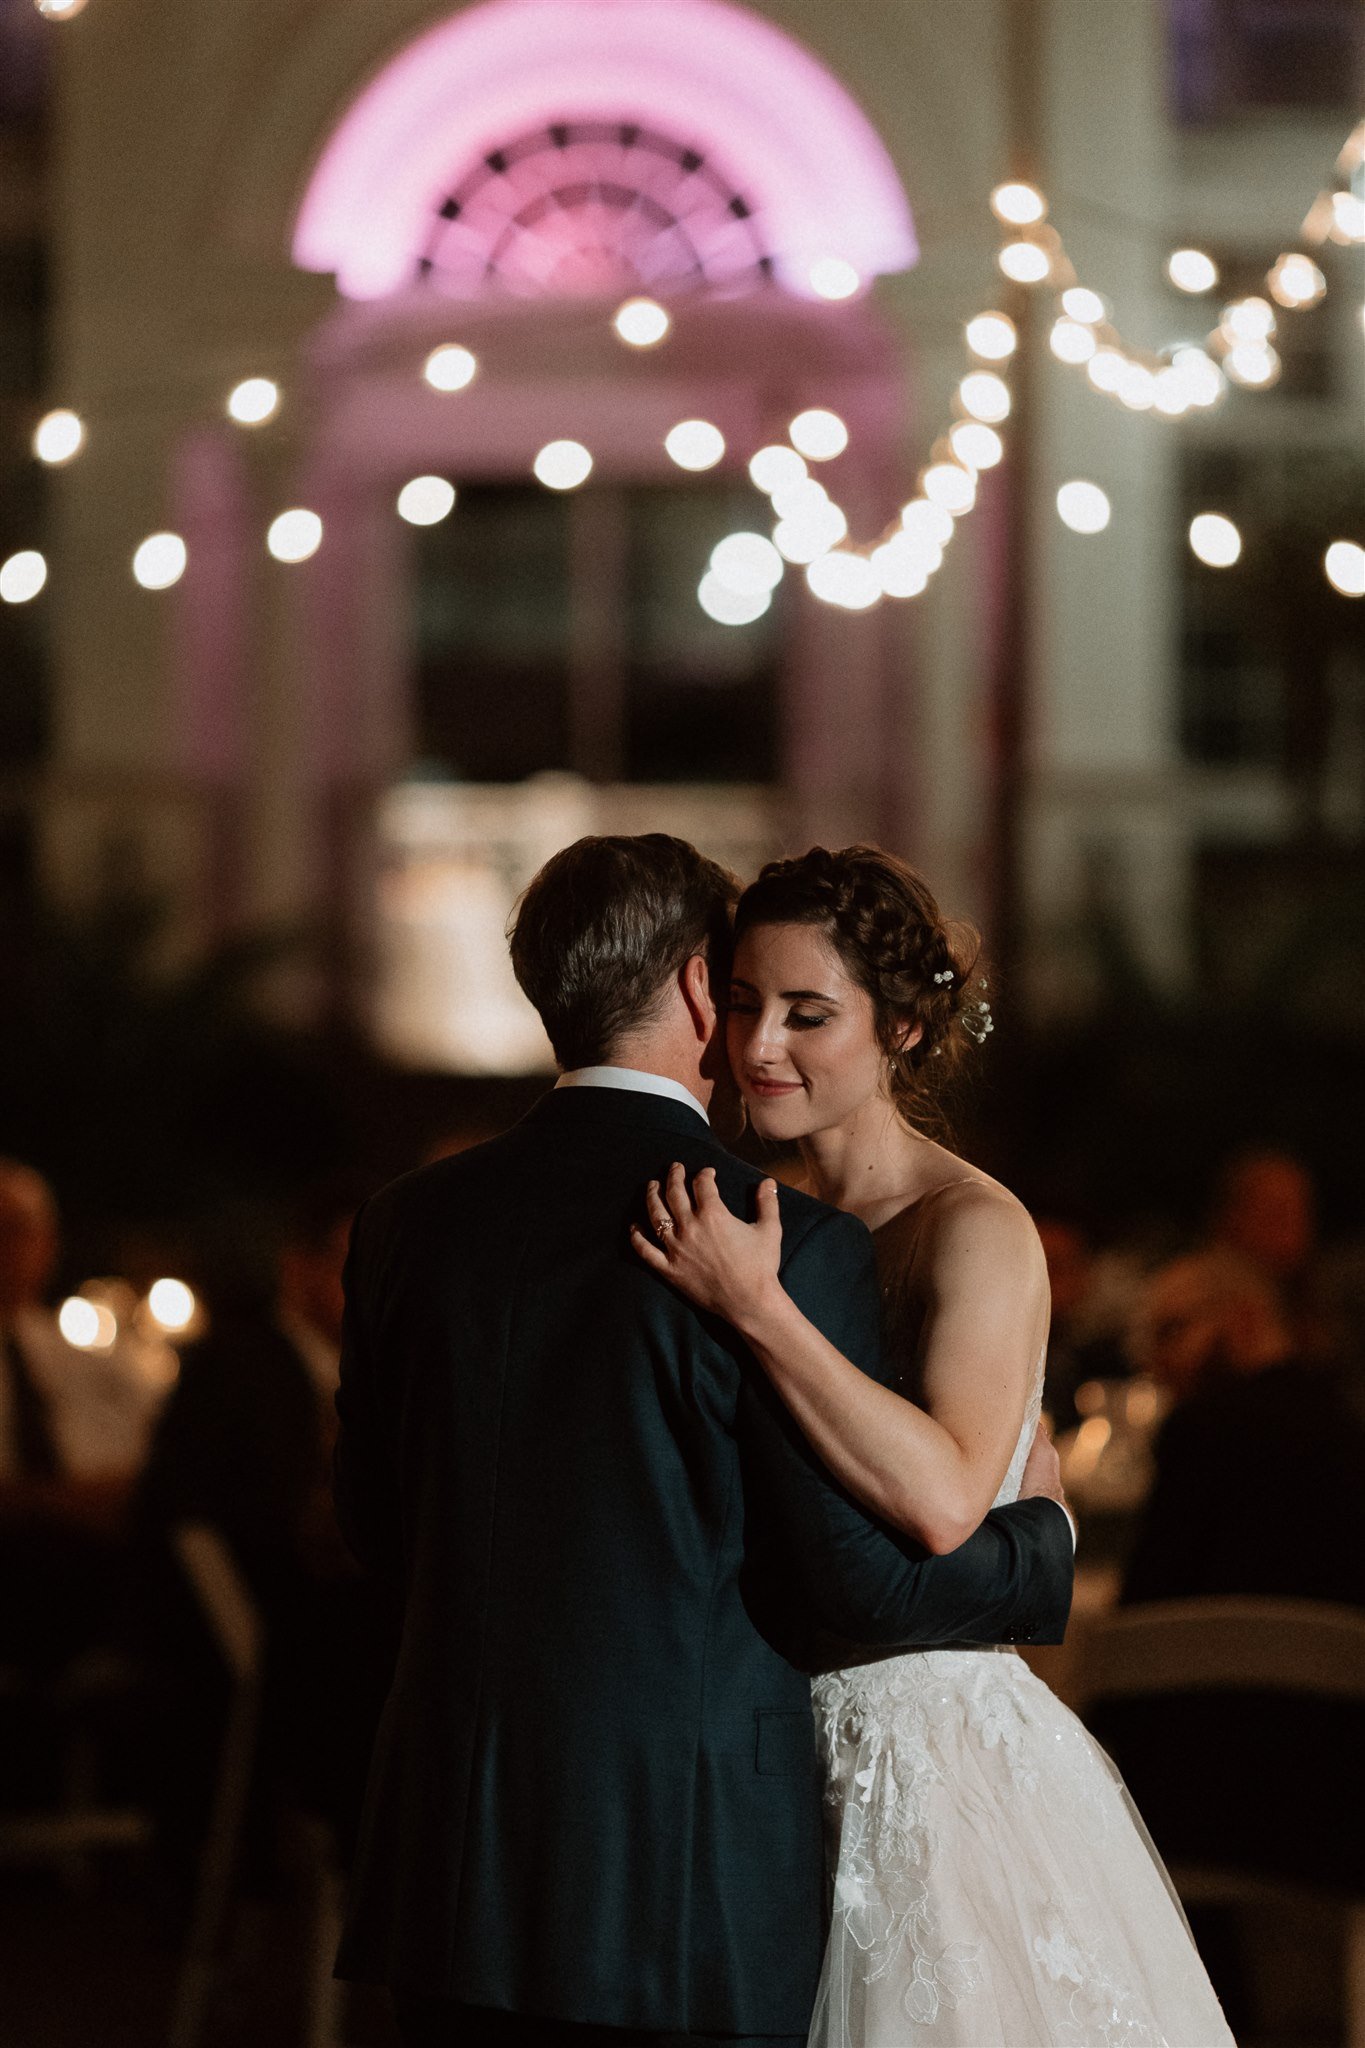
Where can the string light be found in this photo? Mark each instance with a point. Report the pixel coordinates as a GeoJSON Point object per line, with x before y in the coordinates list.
{"type": "Point", "coordinates": [1071, 341]}
{"type": "Point", "coordinates": [1254, 363]}
{"type": "Point", "coordinates": [926, 522]}
{"type": "Point", "coordinates": [450, 367]}
{"type": "Point", "coordinates": [900, 567]}
{"type": "Point", "coordinates": [819, 434]}
{"type": "Point", "coordinates": [729, 607]}
{"type": "Point", "coordinates": [22, 576]}
{"type": "Point", "coordinates": [1345, 566]}
{"type": "Point", "coordinates": [951, 487]}
{"type": "Point", "coordinates": [87, 1325]}
{"type": "Point", "coordinates": [985, 396]}
{"type": "Point", "coordinates": [1105, 369]}
{"type": "Point", "coordinates": [641, 323]}
{"type": "Point", "coordinates": [1190, 270]}
{"type": "Point", "coordinates": [1296, 281]}
{"type": "Point", "coordinates": [254, 401]}
{"type": "Point", "coordinates": [1348, 218]}
{"type": "Point", "coordinates": [992, 336]}
{"type": "Point", "coordinates": [775, 466]}
{"type": "Point", "coordinates": [426, 500]}
{"type": "Point", "coordinates": [1084, 507]}
{"type": "Point", "coordinates": [843, 579]}
{"type": "Point", "coordinates": [295, 535]}
{"type": "Point", "coordinates": [171, 1304]}
{"type": "Point", "coordinates": [1247, 320]}
{"type": "Point", "coordinates": [59, 10]}
{"type": "Point", "coordinates": [976, 444]}
{"type": "Point", "coordinates": [1136, 387]}
{"type": "Point", "coordinates": [562, 465]}
{"type": "Point", "coordinates": [695, 444]}
{"type": "Point", "coordinates": [1018, 204]}
{"type": "Point", "coordinates": [1025, 262]}
{"type": "Point", "coordinates": [160, 561]}
{"type": "Point", "coordinates": [832, 278]}
{"type": "Point", "coordinates": [1215, 540]}
{"type": "Point", "coordinates": [747, 563]}
{"type": "Point", "coordinates": [58, 436]}
{"type": "Point", "coordinates": [1083, 305]}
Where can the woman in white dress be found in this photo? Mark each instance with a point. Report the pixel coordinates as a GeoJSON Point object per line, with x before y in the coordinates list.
{"type": "Point", "coordinates": [993, 1886]}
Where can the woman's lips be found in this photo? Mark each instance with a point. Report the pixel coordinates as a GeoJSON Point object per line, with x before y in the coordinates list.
{"type": "Point", "coordinates": [772, 1088]}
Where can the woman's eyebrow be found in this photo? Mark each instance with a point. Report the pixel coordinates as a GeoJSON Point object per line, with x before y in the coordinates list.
{"type": "Point", "coordinates": [789, 995]}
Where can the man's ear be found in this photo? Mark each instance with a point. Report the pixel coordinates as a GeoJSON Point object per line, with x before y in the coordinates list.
{"type": "Point", "coordinates": [695, 983]}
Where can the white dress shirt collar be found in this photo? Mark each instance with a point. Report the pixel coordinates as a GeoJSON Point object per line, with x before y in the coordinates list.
{"type": "Point", "coordinates": [634, 1080]}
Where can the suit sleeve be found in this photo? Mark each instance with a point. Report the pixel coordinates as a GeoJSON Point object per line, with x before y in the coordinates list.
{"type": "Point", "coordinates": [855, 1577]}
{"type": "Point", "coordinates": [364, 1462]}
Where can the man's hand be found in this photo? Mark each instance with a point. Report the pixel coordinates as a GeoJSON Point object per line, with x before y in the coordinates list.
{"type": "Point", "coordinates": [1043, 1473]}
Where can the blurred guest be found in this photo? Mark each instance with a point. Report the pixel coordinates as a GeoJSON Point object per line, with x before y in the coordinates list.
{"type": "Point", "coordinates": [74, 1426]}
{"type": "Point", "coordinates": [245, 1445]}
{"type": "Point", "coordinates": [1082, 1344]}
{"type": "Point", "coordinates": [1250, 1423]}
{"type": "Point", "coordinates": [1265, 1212]}
{"type": "Point", "coordinates": [1260, 1473]}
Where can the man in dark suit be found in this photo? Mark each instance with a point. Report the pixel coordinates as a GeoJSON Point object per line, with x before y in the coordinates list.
{"type": "Point", "coordinates": [594, 1806]}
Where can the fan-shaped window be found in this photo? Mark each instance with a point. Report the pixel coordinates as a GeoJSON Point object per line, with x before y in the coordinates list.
{"type": "Point", "coordinates": [592, 207]}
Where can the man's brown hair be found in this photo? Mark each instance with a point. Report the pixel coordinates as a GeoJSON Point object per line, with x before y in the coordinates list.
{"type": "Point", "coordinates": [603, 929]}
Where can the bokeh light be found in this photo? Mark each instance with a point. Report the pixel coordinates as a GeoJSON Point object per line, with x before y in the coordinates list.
{"type": "Point", "coordinates": [1083, 506]}
{"type": "Point", "coordinates": [1018, 204]}
{"type": "Point", "coordinates": [1345, 566]}
{"type": "Point", "coordinates": [1215, 540]}
{"type": "Point", "coordinates": [450, 367]}
{"type": "Point", "coordinates": [747, 563]}
{"type": "Point", "coordinates": [426, 500]}
{"type": "Point", "coordinates": [641, 322]}
{"type": "Point", "coordinates": [950, 486]}
{"type": "Point", "coordinates": [973, 442]}
{"type": "Point", "coordinates": [695, 444]}
{"type": "Point", "coordinates": [832, 278]}
{"type": "Point", "coordinates": [1190, 270]}
{"type": "Point", "coordinates": [730, 607]}
{"type": "Point", "coordinates": [58, 436]}
{"type": "Point", "coordinates": [1252, 363]}
{"type": "Point", "coordinates": [160, 561]}
{"type": "Point", "coordinates": [900, 566]}
{"type": "Point", "coordinates": [1071, 341]}
{"type": "Point", "coordinates": [295, 535]}
{"type": "Point", "coordinates": [844, 579]}
{"type": "Point", "coordinates": [171, 1304]}
{"type": "Point", "coordinates": [985, 396]}
{"type": "Point", "coordinates": [927, 522]}
{"type": "Point", "coordinates": [1296, 281]}
{"type": "Point", "coordinates": [1082, 304]}
{"type": "Point", "coordinates": [819, 434]}
{"type": "Point", "coordinates": [88, 1325]}
{"type": "Point", "coordinates": [254, 401]}
{"type": "Point", "coordinates": [562, 465]}
{"type": "Point", "coordinates": [1105, 369]}
{"type": "Point", "coordinates": [775, 466]}
{"type": "Point", "coordinates": [992, 336]}
{"type": "Point", "coordinates": [22, 576]}
{"type": "Point", "coordinates": [1025, 262]}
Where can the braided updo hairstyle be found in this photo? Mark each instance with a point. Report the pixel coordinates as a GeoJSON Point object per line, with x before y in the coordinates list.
{"type": "Point", "coordinates": [916, 966]}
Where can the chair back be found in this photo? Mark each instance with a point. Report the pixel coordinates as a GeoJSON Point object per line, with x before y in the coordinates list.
{"type": "Point", "coordinates": [1225, 1645]}
{"type": "Point", "coordinates": [227, 1606]}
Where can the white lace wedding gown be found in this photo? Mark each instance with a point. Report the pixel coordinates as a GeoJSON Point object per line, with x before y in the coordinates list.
{"type": "Point", "coordinates": [994, 1886]}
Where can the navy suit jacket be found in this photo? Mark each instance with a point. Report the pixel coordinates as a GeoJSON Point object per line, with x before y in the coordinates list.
{"type": "Point", "coordinates": [595, 1795]}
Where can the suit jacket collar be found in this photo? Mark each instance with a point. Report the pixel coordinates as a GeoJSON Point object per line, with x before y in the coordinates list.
{"type": "Point", "coordinates": [590, 1109]}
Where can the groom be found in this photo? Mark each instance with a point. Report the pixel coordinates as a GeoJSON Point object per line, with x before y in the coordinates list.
{"type": "Point", "coordinates": [593, 1814]}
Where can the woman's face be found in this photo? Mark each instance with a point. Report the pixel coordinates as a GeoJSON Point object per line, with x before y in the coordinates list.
{"type": "Point", "coordinates": [800, 1033]}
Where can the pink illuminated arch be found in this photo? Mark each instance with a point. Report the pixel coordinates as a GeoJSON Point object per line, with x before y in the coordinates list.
{"type": "Point", "coordinates": [708, 73]}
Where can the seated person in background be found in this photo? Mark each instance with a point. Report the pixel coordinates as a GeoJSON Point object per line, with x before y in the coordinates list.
{"type": "Point", "coordinates": [1081, 1344]}
{"type": "Point", "coordinates": [74, 1427]}
{"type": "Point", "coordinates": [245, 1445]}
{"type": "Point", "coordinates": [1260, 1475]}
{"type": "Point", "coordinates": [1265, 1213]}
{"type": "Point", "coordinates": [1249, 1423]}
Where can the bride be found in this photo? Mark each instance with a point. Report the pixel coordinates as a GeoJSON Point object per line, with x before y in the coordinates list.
{"type": "Point", "coordinates": [993, 1886]}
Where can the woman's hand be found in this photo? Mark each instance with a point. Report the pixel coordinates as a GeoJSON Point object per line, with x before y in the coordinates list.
{"type": "Point", "coordinates": [714, 1258]}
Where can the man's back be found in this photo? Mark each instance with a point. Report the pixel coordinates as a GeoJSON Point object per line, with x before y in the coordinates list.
{"type": "Point", "coordinates": [595, 1794]}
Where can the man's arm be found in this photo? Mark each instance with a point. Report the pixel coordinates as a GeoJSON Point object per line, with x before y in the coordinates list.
{"type": "Point", "coordinates": [364, 1463]}
{"type": "Point", "coordinates": [1010, 1582]}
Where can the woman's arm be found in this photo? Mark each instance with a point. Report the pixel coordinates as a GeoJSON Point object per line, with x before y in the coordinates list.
{"type": "Point", "coordinates": [931, 1471]}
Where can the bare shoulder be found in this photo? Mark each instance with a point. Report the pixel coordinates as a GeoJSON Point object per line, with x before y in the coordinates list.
{"type": "Point", "coordinates": [968, 1230]}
